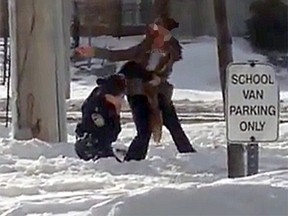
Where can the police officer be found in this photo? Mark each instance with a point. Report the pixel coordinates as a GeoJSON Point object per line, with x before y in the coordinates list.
{"type": "Point", "coordinates": [100, 123]}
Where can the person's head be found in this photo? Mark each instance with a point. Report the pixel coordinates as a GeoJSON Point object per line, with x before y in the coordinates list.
{"type": "Point", "coordinates": [132, 70]}
{"type": "Point", "coordinates": [167, 23]}
{"type": "Point", "coordinates": [160, 31]}
{"type": "Point", "coordinates": [151, 32]}
{"type": "Point", "coordinates": [114, 85]}
{"type": "Point", "coordinates": [113, 88]}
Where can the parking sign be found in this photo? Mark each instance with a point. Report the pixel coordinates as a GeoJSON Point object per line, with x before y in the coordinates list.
{"type": "Point", "coordinates": [252, 103]}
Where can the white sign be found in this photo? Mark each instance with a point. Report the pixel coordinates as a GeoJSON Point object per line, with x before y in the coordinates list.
{"type": "Point", "coordinates": [252, 106]}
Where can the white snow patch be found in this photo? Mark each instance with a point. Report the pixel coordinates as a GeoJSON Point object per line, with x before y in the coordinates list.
{"type": "Point", "coordinates": [38, 178]}
{"type": "Point", "coordinates": [233, 198]}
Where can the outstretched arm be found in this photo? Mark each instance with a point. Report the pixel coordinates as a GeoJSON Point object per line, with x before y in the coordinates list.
{"type": "Point", "coordinates": [113, 55]}
{"type": "Point", "coordinates": [116, 55]}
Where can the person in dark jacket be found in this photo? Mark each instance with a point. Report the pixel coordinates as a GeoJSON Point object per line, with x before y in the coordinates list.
{"type": "Point", "coordinates": [100, 124]}
{"type": "Point", "coordinates": [157, 46]}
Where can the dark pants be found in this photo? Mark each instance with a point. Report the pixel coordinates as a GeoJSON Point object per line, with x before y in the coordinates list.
{"type": "Point", "coordinates": [140, 108]}
{"type": "Point", "coordinates": [88, 148]}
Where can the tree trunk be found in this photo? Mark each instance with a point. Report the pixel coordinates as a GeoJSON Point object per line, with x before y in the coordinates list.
{"type": "Point", "coordinates": [224, 41]}
{"type": "Point", "coordinates": [38, 66]}
{"type": "Point", "coordinates": [235, 152]}
{"type": "Point", "coordinates": [115, 17]}
{"type": "Point", "coordinates": [161, 8]}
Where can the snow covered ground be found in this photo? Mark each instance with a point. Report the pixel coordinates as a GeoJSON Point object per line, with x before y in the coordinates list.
{"type": "Point", "coordinates": [47, 179]}
{"type": "Point", "coordinates": [38, 178]}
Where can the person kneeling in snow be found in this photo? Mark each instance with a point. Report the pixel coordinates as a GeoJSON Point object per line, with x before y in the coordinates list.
{"type": "Point", "coordinates": [100, 125]}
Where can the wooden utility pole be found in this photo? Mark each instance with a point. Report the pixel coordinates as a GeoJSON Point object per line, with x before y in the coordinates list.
{"type": "Point", "coordinates": [235, 152]}
{"type": "Point", "coordinates": [67, 8]}
{"type": "Point", "coordinates": [38, 65]}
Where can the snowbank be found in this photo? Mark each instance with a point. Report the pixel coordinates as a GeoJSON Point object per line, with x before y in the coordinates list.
{"type": "Point", "coordinates": [250, 196]}
{"type": "Point", "coordinates": [39, 178]}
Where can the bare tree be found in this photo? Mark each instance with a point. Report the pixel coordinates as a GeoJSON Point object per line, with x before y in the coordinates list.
{"type": "Point", "coordinates": [224, 41]}
{"type": "Point", "coordinates": [38, 65]}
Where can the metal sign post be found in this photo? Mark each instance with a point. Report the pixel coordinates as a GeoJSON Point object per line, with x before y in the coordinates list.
{"type": "Point", "coordinates": [252, 108]}
{"type": "Point", "coordinates": [252, 159]}
{"type": "Point", "coordinates": [236, 161]}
